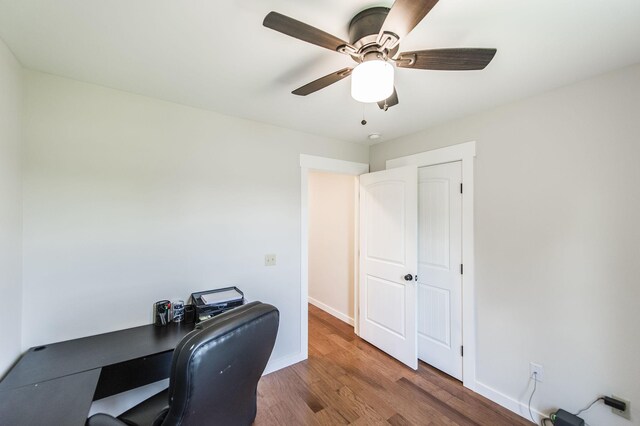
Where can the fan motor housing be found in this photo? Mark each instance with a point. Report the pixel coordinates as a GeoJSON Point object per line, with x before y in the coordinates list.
{"type": "Point", "coordinates": [364, 29]}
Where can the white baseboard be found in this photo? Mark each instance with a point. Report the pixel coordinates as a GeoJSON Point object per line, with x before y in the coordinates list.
{"type": "Point", "coordinates": [328, 309]}
{"type": "Point", "coordinates": [285, 361]}
{"type": "Point", "coordinates": [519, 408]}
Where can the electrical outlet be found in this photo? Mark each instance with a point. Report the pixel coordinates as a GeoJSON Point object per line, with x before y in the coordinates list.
{"type": "Point", "coordinates": [536, 372]}
{"type": "Point", "coordinates": [626, 413]}
{"type": "Point", "coordinates": [269, 260]}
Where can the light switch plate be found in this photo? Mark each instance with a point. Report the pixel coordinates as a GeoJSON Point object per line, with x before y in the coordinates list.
{"type": "Point", "coordinates": [269, 260]}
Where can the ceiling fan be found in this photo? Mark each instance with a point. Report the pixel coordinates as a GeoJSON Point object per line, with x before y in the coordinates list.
{"type": "Point", "coordinates": [375, 36]}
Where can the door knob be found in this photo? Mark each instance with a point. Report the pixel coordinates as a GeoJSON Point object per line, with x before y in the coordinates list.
{"type": "Point", "coordinates": [408, 277]}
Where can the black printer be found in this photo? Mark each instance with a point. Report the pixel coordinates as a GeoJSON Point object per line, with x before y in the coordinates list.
{"type": "Point", "coordinates": [210, 303]}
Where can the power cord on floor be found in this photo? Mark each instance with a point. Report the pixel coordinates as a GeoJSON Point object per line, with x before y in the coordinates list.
{"type": "Point", "coordinates": [535, 382]}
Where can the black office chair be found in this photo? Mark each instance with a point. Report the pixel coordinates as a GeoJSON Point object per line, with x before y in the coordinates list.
{"type": "Point", "coordinates": [214, 373]}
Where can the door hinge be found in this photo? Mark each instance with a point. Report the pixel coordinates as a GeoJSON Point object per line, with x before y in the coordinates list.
{"type": "Point", "coordinates": [461, 269]}
{"type": "Point", "coordinates": [461, 350]}
{"type": "Point", "coordinates": [461, 188]}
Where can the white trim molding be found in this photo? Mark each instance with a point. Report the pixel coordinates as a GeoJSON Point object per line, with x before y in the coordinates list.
{"type": "Point", "coordinates": [517, 407]}
{"type": "Point", "coordinates": [331, 311]}
{"type": "Point", "coordinates": [285, 361]}
{"type": "Point", "coordinates": [465, 153]}
{"type": "Point", "coordinates": [312, 163]}
{"type": "Point", "coordinates": [447, 154]}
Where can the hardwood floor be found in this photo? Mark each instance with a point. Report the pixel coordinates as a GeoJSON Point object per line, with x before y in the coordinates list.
{"type": "Point", "coordinates": [348, 381]}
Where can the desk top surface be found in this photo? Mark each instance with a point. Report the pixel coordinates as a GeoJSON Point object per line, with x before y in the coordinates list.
{"type": "Point", "coordinates": [47, 362]}
{"type": "Point", "coordinates": [62, 401]}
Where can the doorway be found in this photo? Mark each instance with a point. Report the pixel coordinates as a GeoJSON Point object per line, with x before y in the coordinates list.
{"type": "Point", "coordinates": [411, 257]}
{"type": "Point", "coordinates": [440, 271]}
{"type": "Point", "coordinates": [310, 164]}
{"type": "Point", "coordinates": [332, 206]}
{"type": "Point", "coordinates": [393, 196]}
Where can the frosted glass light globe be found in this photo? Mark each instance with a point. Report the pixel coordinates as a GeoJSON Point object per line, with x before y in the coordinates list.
{"type": "Point", "coordinates": [372, 81]}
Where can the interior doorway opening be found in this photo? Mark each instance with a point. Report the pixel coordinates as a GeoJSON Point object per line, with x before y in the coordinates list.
{"type": "Point", "coordinates": [311, 164]}
{"type": "Point", "coordinates": [465, 154]}
{"type": "Point", "coordinates": [332, 243]}
{"type": "Point", "coordinates": [332, 232]}
{"type": "Point", "coordinates": [440, 267]}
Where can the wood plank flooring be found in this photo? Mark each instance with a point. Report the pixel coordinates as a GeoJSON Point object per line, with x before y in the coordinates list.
{"type": "Point", "coordinates": [348, 381]}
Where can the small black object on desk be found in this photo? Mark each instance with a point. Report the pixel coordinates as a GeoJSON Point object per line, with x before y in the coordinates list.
{"type": "Point", "coordinates": [189, 314]}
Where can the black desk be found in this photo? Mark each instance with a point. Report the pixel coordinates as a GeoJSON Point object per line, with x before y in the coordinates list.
{"type": "Point", "coordinates": [56, 383]}
{"type": "Point", "coordinates": [61, 401]}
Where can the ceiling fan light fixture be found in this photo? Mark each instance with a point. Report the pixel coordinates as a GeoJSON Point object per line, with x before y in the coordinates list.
{"type": "Point", "coordinates": [372, 81]}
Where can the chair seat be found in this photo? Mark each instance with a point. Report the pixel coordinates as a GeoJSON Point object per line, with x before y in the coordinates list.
{"type": "Point", "coordinates": [147, 411]}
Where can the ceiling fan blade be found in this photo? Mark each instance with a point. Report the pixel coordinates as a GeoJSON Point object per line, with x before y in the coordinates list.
{"type": "Point", "coordinates": [322, 82]}
{"type": "Point", "coordinates": [390, 101]}
{"type": "Point", "coordinates": [302, 31]}
{"type": "Point", "coordinates": [402, 18]}
{"type": "Point", "coordinates": [446, 59]}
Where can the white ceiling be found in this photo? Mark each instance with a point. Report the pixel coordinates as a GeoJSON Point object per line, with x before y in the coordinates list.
{"type": "Point", "coordinates": [217, 55]}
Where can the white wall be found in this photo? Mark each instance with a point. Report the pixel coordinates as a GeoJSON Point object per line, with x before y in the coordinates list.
{"type": "Point", "coordinates": [128, 200]}
{"type": "Point", "coordinates": [557, 204]}
{"type": "Point", "coordinates": [10, 207]}
{"type": "Point", "coordinates": [331, 242]}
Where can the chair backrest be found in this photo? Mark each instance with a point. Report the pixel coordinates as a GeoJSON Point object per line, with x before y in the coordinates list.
{"type": "Point", "coordinates": [216, 368]}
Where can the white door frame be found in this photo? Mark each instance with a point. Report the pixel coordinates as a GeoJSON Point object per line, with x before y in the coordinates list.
{"type": "Point", "coordinates": [312, 163]}
{"type": "Point", "coordinates": [464, 152]}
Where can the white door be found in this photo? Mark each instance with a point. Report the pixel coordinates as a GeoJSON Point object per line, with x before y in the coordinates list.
{"type": "Point", "coordinates": [439, 267]}
{"type": "Point", "coordinates": [388, 262]}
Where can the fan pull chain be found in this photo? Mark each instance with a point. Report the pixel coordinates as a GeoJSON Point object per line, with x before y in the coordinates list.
{"type": "Point", "coordinates": [363, 122]}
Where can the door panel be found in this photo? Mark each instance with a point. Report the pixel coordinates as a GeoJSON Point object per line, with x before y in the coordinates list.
{"type": "Point", "coordinates": [381, 294]}
{"type": "Point", "coordinates": [386, 218]}
{"type": "Point", "coordinates": [388, 252]}
{"type": "Point", "coordinates": [434, 314]}
{"type": "Point", "coordinates": [439, 278]}
{"type": "Point", "coordinates": [433, 196]}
